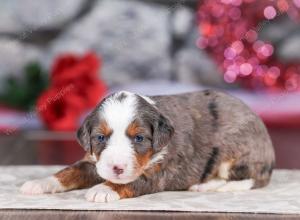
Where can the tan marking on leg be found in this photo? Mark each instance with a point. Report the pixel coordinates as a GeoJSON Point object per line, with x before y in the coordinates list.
{"type": "Point", "coordinates": [69, 177]}
{"type": "Point", "coordinates": [224, 170]}
{"type": "Point", "coordinates": [77, 176]}
{"type": "Point", "coordinates": [124, 191]}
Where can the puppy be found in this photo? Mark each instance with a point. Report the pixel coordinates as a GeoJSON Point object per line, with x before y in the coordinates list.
{"type": "Point", "coordinates": [137, 145]}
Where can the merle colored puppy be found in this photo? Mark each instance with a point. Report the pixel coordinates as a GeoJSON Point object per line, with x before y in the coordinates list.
{"type": "Point", "coordinates": [136, 145]}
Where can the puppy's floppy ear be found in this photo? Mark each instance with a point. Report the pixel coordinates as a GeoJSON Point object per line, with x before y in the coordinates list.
{"type": "Point", "coordinates": [84, 132]}
{"type": "Point", "coordinates": [162, 132]}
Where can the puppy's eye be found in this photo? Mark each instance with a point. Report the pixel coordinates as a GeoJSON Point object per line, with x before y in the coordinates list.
{"type": "Point", "coordinates": [138, 139]}
{"type": "Point", "coordinates": [101, 138]}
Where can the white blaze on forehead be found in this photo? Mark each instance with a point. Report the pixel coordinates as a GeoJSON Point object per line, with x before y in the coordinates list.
{"type": "Point", "coordinates": [118, 113]}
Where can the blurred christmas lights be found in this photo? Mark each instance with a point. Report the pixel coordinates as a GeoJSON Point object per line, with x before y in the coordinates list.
{"type": "Point", "coordinates": [229, 32]}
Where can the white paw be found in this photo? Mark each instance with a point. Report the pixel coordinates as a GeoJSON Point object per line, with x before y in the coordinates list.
{"type": "Point", "coordinates": [210, 186]}
{"type": "Point", "coordinates": [41, 186]}
{"type": "Point", "coordinates": [235, 186]}
{"type": "Point", "coordinates": [101, 193]}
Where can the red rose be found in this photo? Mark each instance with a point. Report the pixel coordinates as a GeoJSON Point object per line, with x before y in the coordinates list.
{"type": "Point", "coordinates": [59, 108]}
{"type": "Point", "coordinates": [69, 68]}
{"type": "Point", "coordinates": [75, 88]}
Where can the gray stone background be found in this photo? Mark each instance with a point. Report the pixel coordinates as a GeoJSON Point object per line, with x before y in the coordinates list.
{"type": "Point", "coordinates": [137, 39]}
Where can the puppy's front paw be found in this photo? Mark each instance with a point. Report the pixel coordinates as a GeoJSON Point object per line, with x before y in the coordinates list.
{"type": "Point", "coordinates": [41, 186]}
{"type": "Point", "coordinates": [101, 193]}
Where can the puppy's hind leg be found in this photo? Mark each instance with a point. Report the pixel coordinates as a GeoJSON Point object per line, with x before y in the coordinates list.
{"type": "Point", "coordinates": [247, 175]}
{"type": "Point", "coordinates": [229, 178]}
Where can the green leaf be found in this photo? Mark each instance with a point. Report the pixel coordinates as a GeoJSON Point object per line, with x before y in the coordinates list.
{"type": "Point", "coordinates": [22, 94]}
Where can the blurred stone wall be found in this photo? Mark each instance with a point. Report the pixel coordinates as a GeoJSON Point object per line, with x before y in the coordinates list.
{"type": "Point", "coordinates": [137, 39]}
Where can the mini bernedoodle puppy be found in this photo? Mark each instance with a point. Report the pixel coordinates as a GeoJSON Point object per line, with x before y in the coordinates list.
{"type": "Point", "coordinates": [137, 145]}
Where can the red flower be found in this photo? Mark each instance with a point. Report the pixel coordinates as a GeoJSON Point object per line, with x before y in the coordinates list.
{"type": "Point", "coordinates": [69, 68]}
{"type": "Point", "coordinates": [75, 88]}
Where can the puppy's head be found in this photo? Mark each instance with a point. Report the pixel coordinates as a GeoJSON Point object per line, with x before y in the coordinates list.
{"type": "Point", "coordinates": [127, 134]}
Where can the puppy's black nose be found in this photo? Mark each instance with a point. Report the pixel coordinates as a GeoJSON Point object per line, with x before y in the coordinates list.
{"type": "Point", "coordinates": [118, 170]}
